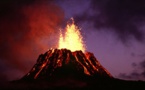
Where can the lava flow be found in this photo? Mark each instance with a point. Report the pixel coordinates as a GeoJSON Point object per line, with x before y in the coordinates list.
{"type": "Point", "coordinates": [69, 59]}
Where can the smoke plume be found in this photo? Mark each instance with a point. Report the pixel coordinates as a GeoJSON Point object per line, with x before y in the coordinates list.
{"type": "Point", "coordinates": [24, 27]}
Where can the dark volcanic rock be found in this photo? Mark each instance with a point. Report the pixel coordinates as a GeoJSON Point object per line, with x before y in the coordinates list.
{"type": "Point", "coordinates": [59, 63]}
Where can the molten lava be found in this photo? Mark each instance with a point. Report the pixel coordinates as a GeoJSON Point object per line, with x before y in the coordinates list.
{"type": "Point", "coordinates": [63, 62]}
{"type": "Point", "coordinates": [72, 39]}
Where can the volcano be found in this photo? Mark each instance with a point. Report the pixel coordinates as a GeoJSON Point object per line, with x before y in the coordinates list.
{"type": "Point", "coordinates": [56, 63]}
{"type": "Point", "coordinates": [69, 60]}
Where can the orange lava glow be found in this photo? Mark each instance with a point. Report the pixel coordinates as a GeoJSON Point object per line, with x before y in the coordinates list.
{"type": "Point", "coordinates": [72, 39]}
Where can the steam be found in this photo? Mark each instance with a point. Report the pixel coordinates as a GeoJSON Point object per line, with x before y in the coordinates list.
{"type": "Point", "coordinates": [25, 29]}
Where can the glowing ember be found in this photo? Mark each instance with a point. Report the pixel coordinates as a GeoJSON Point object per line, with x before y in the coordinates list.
{"type": "Point", "coordinates": [72, 39]}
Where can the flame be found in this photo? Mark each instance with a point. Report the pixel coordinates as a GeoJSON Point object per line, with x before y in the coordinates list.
{"type": "Point", "coordinates": [72, 39]}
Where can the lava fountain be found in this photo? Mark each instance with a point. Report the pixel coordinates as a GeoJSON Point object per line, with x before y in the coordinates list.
{"type": "Point", "coordinates": [72, 39]}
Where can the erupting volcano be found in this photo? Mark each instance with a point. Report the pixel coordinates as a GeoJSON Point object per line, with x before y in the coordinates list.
{"type": "Point", "coordinates": [69, 60]}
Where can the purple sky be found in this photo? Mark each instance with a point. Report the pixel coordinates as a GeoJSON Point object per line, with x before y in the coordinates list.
{"type": "Point", "coordinates": [115, 53]}
{"type": "Point", "coordinates": [112, 29]}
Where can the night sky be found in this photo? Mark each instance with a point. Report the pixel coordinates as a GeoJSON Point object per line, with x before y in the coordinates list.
{"type": "Point", "coordinates": [114, 30]}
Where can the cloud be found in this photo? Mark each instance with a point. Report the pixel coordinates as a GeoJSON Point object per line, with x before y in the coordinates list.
{"type": "Point", "coordinates": [25, 29]}
{"type": "Point", "coordinates": [123, 17]}
{"type": "Point", "coordinates": [138, 73]}
{"type": "Point", "coordinates": [133, 75]}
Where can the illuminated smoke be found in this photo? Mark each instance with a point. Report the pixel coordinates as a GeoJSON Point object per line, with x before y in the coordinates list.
{"type": "Point", "coordinates": [24, 25]}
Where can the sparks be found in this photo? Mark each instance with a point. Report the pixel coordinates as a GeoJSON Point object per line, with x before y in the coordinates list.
{"type": "Point", "coordinates": [72, 39]}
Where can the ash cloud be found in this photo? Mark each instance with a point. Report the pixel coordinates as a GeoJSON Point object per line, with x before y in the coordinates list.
{"type": "Point", "coordinates": [25, 29]}
{"type": "Point", "coordinates": [123, 17]}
